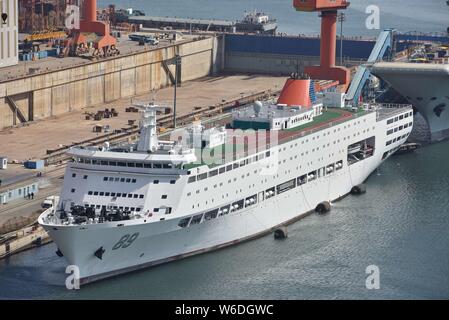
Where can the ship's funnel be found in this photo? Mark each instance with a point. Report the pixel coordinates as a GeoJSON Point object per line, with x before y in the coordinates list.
{"type": "Point", "coordinates": [296, 92]}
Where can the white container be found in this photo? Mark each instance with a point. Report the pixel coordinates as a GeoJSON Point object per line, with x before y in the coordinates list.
{"type": "Point", "coordinates": [3, 163]}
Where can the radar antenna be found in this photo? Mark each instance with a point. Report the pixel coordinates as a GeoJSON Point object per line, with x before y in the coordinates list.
{"type": "Point", "coordinates": [148, 140]}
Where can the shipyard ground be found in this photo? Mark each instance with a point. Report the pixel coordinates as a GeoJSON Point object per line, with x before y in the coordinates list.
{"type": "Point", "coordinates": [125, 46]}
{"type": "Point", "coordinates": [32, 141]}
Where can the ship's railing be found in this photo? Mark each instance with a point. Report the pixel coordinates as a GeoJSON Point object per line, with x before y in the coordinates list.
{"type": "Point", "coordinates": [392, 105]}
{"type": "Point", "coordinates": [354, 115]}
{"type": "Point", "coordinates": [52, 217]}
{"type": "Point", "coordinates": [325, 125]}
{"type": "Point", "coordinates": [386, 110]}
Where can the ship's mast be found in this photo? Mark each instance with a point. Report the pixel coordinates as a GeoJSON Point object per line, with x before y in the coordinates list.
{"type": "Point", "coordinates": [148, 140]}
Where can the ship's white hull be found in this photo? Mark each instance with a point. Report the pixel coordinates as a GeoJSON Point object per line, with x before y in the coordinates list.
{"type": "Point", "coordinates": [426, 87]}
{"type": "Point", "coordinates": [161, 241]}
{"type": "Point", "coordinates": [164, 241]}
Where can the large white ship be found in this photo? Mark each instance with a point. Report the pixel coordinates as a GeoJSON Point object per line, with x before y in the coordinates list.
{"type": "Point", "coordinates": [425, 86]}
{"type": "Point", "coordinates": [123, 209]}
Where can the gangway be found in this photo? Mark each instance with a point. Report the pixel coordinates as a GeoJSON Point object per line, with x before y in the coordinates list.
{"type": "Point", "coordinates": [383, 43]}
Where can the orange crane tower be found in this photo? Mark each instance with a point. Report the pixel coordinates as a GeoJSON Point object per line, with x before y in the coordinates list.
{"type": "Point", "coordinates": [90, 24]}
{"type": "Point", "coordinates": [327, 69]}
{"type": "Point", "coordinates": [103, 42]}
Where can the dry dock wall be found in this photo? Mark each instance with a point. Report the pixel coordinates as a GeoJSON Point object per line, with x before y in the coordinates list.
{"type": "Point", "coordinates": [54, 93]}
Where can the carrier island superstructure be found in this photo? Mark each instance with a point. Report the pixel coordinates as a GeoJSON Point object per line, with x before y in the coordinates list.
{"type": "Point", "coordinates": [130, 207]}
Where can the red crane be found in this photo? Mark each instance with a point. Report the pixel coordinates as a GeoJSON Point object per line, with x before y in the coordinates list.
{"type": "Point", "coordinates": [103, 42]}
{"type": "Point", "coordinates": [327, 69]}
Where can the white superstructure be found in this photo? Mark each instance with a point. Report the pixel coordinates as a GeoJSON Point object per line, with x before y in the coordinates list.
{"type": "Point", "coordinates": [425, 86]}
{"type": "Point", "coordinates": [9, 40]}
{"type": "Point", "coordinates": [123, 209]}
{"type": "Point", "coordinates": [275, 116]}
{"type": "Point", "coordinates": [199, 137]}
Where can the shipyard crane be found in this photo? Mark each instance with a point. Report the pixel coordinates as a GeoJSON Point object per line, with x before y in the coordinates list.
{"type": "Point", "coordinates": [327, 70]}
{"type": "Point", "coordinates": [92, 30]}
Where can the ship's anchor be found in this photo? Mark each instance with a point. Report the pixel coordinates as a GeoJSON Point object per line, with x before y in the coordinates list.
{"type": "Point", "coordinates": [59, 253]}
{"type": "Point", "coordinates": [99, 253]}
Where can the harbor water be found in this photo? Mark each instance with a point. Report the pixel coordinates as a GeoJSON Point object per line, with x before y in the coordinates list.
{"type": "Point", "coordinates": [401, 225]}
{"type": "Point", "coordinates": [405, 16]}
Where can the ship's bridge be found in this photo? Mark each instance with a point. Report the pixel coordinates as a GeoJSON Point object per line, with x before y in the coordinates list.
{"type": "Point", "coordinates": [126, 158]}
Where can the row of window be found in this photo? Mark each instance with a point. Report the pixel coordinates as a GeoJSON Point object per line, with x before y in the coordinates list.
{"type": "Point", "coordinates": [229, 167]}
{"type": "Point", "coordinates": [397, 139]}
{"type": "Point", "coordinates": [389, 153]}
{"type": "Point", "coordinates": [210, 215]}
{"type": "Point", "coordinates": [115, 194]}
{"type": "Point", "coordinates": [74, 176]}
{"type": "Point", "coordinates": [328, 133]}
{"type": "Point", "coordinates": [132, 209]}
{"type": "Point", "coordinates": [257, 171]}
{"type": "Point", "coordinates": [267, 194]}
{"type": "Point", "coordinates": [405, 126]}
{"type": "Point", "coordinates": [129, 180]}
{"type": "Point", "coordinates": [127, 164]}
{"type": "Point", "coordinates": [168, 210]}
{"type": "Point", "coordinates": [242, 163]}
{"type": "Point", "coordinates": [325, 170]}
{"type": "Point", "coordinates": [123, 180]}
{"type": "Point", "coordinates": [401, 117]}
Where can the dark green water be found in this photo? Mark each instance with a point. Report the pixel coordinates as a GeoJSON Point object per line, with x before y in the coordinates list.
{"type": "Point", "coordinates": [401, 225]}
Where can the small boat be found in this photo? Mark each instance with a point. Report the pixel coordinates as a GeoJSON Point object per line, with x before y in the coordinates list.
{"type": "Point", "coordinates": [408, 148]}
